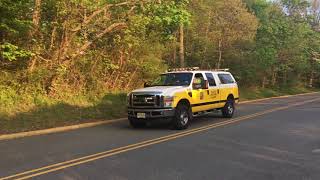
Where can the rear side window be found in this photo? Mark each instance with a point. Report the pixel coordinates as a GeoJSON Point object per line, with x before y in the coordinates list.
{"type": "Point", "coordinates": [226, 79]}
{"type": "Point", "coordinates": [211, 80]}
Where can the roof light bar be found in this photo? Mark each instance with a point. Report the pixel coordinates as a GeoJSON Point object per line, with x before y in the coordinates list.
{"type": "Point", "coordinates": [194, 69]}
{"type": "Point", "coordinates": [184, 69]}
{"type": "Point", "coordinates": [227, 69]}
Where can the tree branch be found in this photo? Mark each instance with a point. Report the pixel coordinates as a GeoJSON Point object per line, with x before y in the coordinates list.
{"type": "Point", "coordinates": [97, 12]}
{"type": "Point", "coordinates": [115, 26]}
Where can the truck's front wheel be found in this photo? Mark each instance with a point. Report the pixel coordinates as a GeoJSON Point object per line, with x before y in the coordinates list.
{"type": "Point", "coordinates": [182, 118]}
{"type": "Point", "coordinates": [136, 123]}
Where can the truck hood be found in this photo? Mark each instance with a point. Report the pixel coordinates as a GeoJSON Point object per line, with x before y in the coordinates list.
{"type": "Point", "coordinates": [165, 90]}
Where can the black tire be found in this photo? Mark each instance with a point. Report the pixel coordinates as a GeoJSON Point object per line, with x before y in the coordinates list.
{"type": "Point", "coordinates": [136, 123]}
{"type": "Point", "coordinates": [182, 118]}
{"type": "Point", "coordinates": [229, 108]}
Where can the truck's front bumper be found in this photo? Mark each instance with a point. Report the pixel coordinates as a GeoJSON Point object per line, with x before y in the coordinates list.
{"type": "Point", "coordinates": [152, 113]}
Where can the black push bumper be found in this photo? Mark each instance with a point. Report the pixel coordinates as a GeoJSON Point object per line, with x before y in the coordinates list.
{"type": "Point", "coordinates": [152, 113]}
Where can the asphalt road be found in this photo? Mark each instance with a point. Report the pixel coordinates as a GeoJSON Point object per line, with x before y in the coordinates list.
{"type": "Point", "coordinates": [270, 139]}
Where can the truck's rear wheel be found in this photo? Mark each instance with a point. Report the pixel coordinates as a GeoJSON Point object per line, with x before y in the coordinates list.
{"type": "Point", "coordinates": [228, 109]}
{"type": "Point", "coordinates": [183, 116]}
{"type": "Point", "coordinates": [136, 123]}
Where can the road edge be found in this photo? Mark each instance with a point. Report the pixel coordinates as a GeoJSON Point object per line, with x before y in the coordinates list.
{"type": "Point", "coordinates": [103, 122]}
{"type": "Point", "coordinates": [57, 129]}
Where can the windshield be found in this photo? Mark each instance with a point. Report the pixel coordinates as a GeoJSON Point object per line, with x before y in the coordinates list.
{"type": "Point", "coordinates": [173, 79]}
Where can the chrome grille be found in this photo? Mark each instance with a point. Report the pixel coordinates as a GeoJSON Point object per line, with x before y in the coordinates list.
{"type": "Point", "coordinates": [143, 100]}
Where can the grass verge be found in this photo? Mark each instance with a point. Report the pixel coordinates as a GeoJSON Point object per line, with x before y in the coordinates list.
{"type": "Point", "coordinates": [58, 113]}
{"type": "Point", "coordinates": [258, 93]}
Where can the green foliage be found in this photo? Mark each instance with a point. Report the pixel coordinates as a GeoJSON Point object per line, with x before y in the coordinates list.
{"type": "Point", "coordinates": [11, 52]}
{"type": "Point", "coordinates": [169, 15]}
{"type": "Point", "coordinates": [13, 19]}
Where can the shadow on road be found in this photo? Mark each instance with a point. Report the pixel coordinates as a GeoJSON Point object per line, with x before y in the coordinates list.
{"type": "Point", "coordinates": [165, 125]}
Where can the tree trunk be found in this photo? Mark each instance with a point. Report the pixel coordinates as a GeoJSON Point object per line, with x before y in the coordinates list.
{"type": "Point", "coordinates": [182, 63]}
{"type": "Point", "coordinates": [35, 21]}
{"type": "Point", "coordinates": [174, 58]}
{"type": "Point", "coordinates": [311, 79]}
{"type": "Point", "coordinates": [207, 30]}
{"type": "Point", "coordinates": [53, 37]}
{"type": "Point", "coordinates": [109, 80]}
{"type": "Point", "coordinates": [264, 81]}
{"type": "Point", "coordinates": [220, 54]}
{"type": "Point", "coordinates": [36, 15]}
{"type": "Point", "coordinates": [115, 82]}
{"type": "Point", "coordinates": [274, 79]}
{"type": "Point", "coordinates": [32, 64]}
{"type": "Point", "coordinates": [284, 77]}
{"type": "Point", "coordinates": [131, 78]}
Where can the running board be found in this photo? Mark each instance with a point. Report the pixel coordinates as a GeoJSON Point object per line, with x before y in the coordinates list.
{"type": "Point", "coordinates": [204, 112]}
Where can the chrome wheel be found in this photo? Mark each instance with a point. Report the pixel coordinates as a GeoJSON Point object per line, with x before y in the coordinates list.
{"type": "Point", "coordinates": [230, 109]}
{"type": "Point", "coordinates": [184, 118]}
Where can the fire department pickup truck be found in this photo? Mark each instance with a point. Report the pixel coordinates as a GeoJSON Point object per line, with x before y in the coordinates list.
{"type": "Point", "coordinates": [180, 94]}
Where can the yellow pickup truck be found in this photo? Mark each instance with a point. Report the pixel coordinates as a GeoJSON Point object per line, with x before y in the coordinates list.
{"type": "Point", "coordinates": [180, 94]}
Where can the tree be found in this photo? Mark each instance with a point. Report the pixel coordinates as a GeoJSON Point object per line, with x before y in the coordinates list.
{"type": "Point", "coordinates": [223, 22]}
{"type": "Point", "coordinates": [14, 27]}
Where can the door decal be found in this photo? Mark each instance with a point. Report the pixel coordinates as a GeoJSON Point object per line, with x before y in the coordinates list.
{"type": "Point", "coordinates": [201, 96]}
{"type": "Point", "coordinates": [213, 93]}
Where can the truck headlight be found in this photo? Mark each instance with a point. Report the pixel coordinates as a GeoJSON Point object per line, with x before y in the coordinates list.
{"type": "Point", "coordinates": [168, 101]}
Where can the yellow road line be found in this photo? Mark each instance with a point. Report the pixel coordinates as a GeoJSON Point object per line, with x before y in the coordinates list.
{"type": "Point", "coordinates": [82, 160]}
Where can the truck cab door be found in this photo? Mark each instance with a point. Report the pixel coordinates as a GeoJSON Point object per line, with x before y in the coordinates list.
{"type": "Point", "coordinates": [213, 91]}
{"type": "Point", "coordinates": [200, 94]}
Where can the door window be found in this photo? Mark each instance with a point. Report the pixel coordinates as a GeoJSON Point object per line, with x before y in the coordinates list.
{"type": "Point", "coordinates": [198, 81]}
{"type": "Point", "coordinates": [226, 78]}
{"type": "Point", "coordinates": [211, 80]}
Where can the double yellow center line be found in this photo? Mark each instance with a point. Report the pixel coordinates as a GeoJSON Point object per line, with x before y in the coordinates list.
{"type": "Point", "coordinates": [93, 157]}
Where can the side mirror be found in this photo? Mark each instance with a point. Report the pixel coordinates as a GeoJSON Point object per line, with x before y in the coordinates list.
{"type": "Point", "coordinates": [146, 85]}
